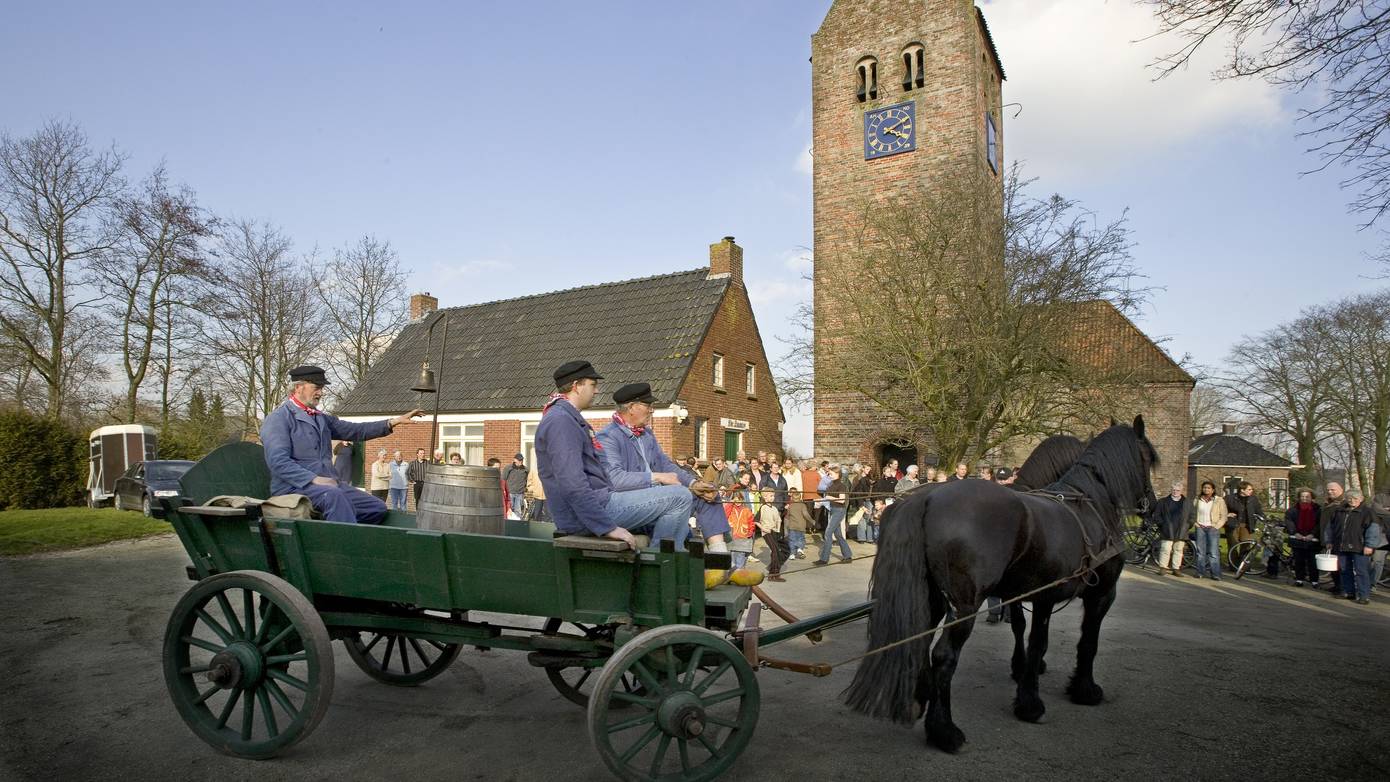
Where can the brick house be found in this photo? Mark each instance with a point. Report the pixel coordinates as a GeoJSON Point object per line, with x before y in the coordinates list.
{"type": "Point", "coordinates": [933, 66]}
{"type": "Point", "coordinates": [1225, 458]}
{"type": "Point", "coordinates": [691, 335]}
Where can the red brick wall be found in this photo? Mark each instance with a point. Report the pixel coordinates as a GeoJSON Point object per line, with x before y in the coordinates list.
{"type": "Point", "coordinates": [734, 334]}
{"type": "Point", "coordinates": [501, 440]}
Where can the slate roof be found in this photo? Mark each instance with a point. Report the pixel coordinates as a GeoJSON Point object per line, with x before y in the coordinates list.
{"type": "Point", "coordinates": [989, 40]}
{"type": "Point", "coordinates": [1110, 341]}
{"type": "Point", "coordinates": [501, 354]}
{"type": "Point", "coordinates": [1229, 450]}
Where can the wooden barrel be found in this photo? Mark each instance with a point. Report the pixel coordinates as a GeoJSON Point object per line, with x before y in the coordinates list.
{"type": "Point", "coordinates": [461, 498]}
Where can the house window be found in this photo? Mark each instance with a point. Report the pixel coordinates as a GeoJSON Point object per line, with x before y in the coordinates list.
{"type": "Point", "coordinates": [701, 438]}
{"type": "Point", "coordinates": [1278, 493]}
{"type": "Point", "coordinates": [914, 75]}
{"type": "Point", "coordinates": [867, 73]}
{"type": "Point", "coordinates": [991, 143]}
{"type": "Point", "coordinates": [463, 439]}
{"type": "Point", "coordinates": [1229, 483]}
{"type": "Point", "coordinates": [528, 443]}
{"type": "Point", "coordinates": [750, 382]}
{"type": "Point", "coordinates": [718, 370]}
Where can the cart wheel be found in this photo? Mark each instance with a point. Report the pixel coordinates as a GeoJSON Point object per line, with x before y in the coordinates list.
{"type": "Point", "coordinates": [576, 682]}
{"type": "Point", "coordinates": [248, 663]}
{"type": "Point", "coordinates": [387, 657]}
{"type": "Point", "coordinates": [694, 716]}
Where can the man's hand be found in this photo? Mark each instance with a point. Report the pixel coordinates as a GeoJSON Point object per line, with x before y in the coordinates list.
{"type": "Point", "coordinates": [319, 480]}
{"type": "Point", "coordinates": [618, 533]}
{"type": "Point", "coordinates": [665, 478]}
{"type": "Point", "coordinates": [704, 490]}
{"type": "Point", "coordinates": [404, 418]}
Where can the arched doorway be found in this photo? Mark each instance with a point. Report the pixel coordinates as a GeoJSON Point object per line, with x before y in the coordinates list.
{"type": "Point", "coordinates": [905, 454]}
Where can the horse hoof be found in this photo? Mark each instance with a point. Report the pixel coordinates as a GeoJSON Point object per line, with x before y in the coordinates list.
{"type": "Point", "coordinates": [1085, 693]}
{"type": "Point", "coordinates": [1029, 708]}
{"type": "Point", "coordinates": [946, 737]}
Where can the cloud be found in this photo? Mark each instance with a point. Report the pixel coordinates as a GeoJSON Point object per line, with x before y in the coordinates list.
{"type": "Point", "coordinates": [448, 271]}
{"type": "Point", "coordinates": [803, 160]}
{"type": "Point", "coordinates": [1089, 99]}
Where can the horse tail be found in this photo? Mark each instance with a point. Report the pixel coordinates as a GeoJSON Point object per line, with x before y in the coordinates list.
{"type": "Point", "coordinates": [885, 685]}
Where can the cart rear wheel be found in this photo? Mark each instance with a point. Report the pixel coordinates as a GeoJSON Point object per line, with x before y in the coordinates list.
{"type": "Point", "coordinates": [576, 682]}
{"type": "Point", "coordinates": [696, 712]}
{"type": "Point", "coordinates": [248, 663]}
{"type": "Point", "coordinates": [402, 660]}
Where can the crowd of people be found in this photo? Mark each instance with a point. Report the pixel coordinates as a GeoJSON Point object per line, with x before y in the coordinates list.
{"type": "Point", "coordinates": [1343, 522]}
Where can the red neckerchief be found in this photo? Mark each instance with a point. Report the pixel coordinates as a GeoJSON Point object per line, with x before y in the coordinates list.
{"type": "Point", "coordinates": [304, 407]}
{"type": "Point", "coordinates": [637, 431]}
{"type": "Point", "coordinates": [550, 402]}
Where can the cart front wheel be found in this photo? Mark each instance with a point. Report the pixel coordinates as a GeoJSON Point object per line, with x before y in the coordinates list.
{"type": "Point", "coordinates": [694, 715]}
{"type": "Point", "coordinates": [248, 663]}
{"type": "Point", "coordinates": [400, 660]}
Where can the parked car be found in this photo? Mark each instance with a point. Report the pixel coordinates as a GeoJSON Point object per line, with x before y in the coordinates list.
{"type": "Point", "coordinates": [139, 486]}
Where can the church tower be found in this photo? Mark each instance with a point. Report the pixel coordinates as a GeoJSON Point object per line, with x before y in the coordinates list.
{"type": "Point", "coordinates": [906, 97]}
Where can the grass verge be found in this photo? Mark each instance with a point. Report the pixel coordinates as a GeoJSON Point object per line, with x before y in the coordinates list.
{"type": "Point", "coordinates": [56, 529]}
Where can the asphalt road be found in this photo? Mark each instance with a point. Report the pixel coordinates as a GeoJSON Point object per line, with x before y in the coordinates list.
{"type": "Point", "coordinates": [1237, 680]}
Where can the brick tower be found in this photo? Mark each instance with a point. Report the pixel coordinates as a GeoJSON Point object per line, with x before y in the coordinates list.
{"type": "Point", "coordinates": [905, 97]}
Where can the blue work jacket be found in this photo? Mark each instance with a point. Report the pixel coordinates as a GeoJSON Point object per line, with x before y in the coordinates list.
{"type": "Point", "coordinates": [298, 446]}
{"type": "Point", "coordinates": [576, 485]}
{"type": "Point", "coordinates": [630, 460]}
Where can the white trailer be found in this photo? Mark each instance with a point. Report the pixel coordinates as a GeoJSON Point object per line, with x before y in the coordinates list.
{"type": "Point", "coordinates": [113, 449]}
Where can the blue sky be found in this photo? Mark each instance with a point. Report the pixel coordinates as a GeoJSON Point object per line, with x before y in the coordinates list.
{"type": "Point", "coordinates": [505, 152]}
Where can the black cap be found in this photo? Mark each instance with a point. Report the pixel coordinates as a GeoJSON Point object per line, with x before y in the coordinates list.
{"type": "Point", "coordinates": [1002, 474]}
{"type": "Point", "coordinates": [309, 374]}
{"type": "Point", "coordinates": [519, 458]}
{"type": "Point", "coordinates": [571, 371]}
{"type": "Point", "coordinates": [634, 392]}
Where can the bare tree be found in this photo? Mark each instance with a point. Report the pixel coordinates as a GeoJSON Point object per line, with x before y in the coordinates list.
{"type": "Point", "coordinates": [1336, 50]}
{"type": "Point", "coordinates": [161, 230]}
{"type": "Point", "coordinates": [264, 320]}
{"type": "Point", "coordinates": [972, 332]}
{"type": "Point", "coordinates": [1276, 382]}
{"type": "Point", "coordinates": [1354, 336]}
{"type": "Point", "coordinates": [55, 191]}
{"type": "Point", "coordinates": [363, 295]}
{"type": "Point", "coordinates": [1208, 408]}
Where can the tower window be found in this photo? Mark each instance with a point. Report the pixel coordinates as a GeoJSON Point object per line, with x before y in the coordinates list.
{"type": "Point", "coordinates": [867, 73]}
{"type": "Point", "coordinates": [914, 74]}
{"type": "Point", "coordinates": [991, 143]}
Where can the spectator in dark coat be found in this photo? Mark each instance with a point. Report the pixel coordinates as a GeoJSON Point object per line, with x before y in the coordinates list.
{"type": "Point", "coordinates": [1301, 522]}
{"type": "Point", "coordinates": [1243, 510]}
{"type": "Point", "coordinates": [1172, 514]}
{"type": "Point", "coordinates": [775, 480]}
{"type": "Point", "coordinates": [1353, 555]}
{"type": "Point", "coordinates": [342, 462]}
{"type": "Point", "coordinates": [416, 474]}
{"type": "Point", "coordinates": [1335, 505]}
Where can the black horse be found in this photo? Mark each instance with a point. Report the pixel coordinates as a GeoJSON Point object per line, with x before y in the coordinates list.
{"type": "Point", "coordinates": [946, 550]}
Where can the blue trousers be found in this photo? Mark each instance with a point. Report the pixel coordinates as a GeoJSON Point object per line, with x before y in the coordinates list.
{"type": "Point", "coordinates": [346, 504]}
{"type": "Point", "coordinates": [796, 539]}
{"type": "Point", "coordinates": [397, 497]}
{"type": "Point", "coordinates": [1354, 570]}
{"type": "Point", "coordinates": [867, 531]}
{"type": "Point", "coordinates": [833, 533]}
{"type": "Point", "coordinates": [1209, 552]}
{"type": "Point", "coordinates": [664, 512]}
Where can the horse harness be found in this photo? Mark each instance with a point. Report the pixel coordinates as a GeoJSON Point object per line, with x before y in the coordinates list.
{"type": "Point", "coordinates": [1090, 558]}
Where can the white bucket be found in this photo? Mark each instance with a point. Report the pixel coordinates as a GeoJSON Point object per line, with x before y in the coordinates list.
{"type": "Point", "coordinates": [1327, 561]}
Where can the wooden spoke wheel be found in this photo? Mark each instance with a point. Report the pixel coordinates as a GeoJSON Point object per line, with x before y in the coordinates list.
{"type": "Point", "coordinates": [248, 663]}
{"type": "Point", "coordinates": [575, 682]}
{"type": "Point", "coordinates": [400, 660]}
{"type": "Point", "coordinates": [694, 716]}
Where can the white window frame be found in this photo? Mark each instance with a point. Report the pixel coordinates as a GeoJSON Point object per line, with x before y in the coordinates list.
{"type": "Point", "coordinates": [528, 443]}
{"type": "Point", "coordinates": [718, 370]}
{"type": "Point", "coordinates": [465, 439]}
{"type": "Point", "coordinates": [701, 438]}
{"type": "Point", "coordinates": [750, 379]}
{"type": "Point", "coordinates": [1273, 498]}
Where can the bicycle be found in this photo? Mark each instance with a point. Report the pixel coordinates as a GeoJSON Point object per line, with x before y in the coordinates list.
{"type": "Point", "coordinates": [1142, 544]}
{"type": "Point", "coordinates": [1269, 546]}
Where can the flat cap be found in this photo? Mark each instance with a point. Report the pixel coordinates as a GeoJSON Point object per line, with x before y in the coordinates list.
{"type": "Point", "coordinates": [574, 370]}
{"type": "Point", "coordinates": [634, 392]}
{"type": "Point", "coordinates": [309, 374]}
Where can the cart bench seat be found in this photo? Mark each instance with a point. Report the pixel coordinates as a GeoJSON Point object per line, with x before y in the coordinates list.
{"type": "Point", "coordinates": [591, 543]}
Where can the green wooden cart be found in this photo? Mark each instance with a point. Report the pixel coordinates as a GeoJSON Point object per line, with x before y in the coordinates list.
{"type": "Point", "coordinates": [664, 667]}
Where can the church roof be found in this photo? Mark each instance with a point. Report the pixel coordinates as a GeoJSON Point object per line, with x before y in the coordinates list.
{"type": "Point", "coordinates": [1111, 342]}
{"type": "Point", "coordinates": [501, 353]}
{"type": "Point", "coordinates": [1229, 450]}
{"type": "Point", "coordinates": [989, 40]}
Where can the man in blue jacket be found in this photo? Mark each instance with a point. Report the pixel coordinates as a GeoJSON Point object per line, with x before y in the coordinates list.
{"type": "Point", "coordinates": [578, 492]}
{"type": "Point", "coordinates": [634, 461]}
{"type": "Point", "coordinates": [297, 439]}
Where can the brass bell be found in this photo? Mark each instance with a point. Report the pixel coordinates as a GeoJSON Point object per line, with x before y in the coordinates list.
{"type": "Point", "coordinates": [425, 383]}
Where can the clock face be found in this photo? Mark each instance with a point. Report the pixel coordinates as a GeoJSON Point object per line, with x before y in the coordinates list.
{"type": "Point", "coordinates": [890, 130]}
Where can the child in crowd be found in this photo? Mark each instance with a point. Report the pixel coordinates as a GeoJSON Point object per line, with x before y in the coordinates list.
{"type": "Point", "coordinates": [770, 522]}
{"type": "Point", "coordinates": [741, 525]}
{"type": "Point", "coordinates": [797, 522]}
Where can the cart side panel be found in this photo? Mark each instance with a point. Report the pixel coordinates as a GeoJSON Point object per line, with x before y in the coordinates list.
{"type": "Point", "coordinates": [503, 574]}
{"type": "Point", "coordinates": [373, 563]}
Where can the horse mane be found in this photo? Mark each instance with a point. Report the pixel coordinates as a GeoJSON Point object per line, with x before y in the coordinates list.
{"type": "Point", "coordinates": [1053, 457]}
{"type": "Point", "coordinates": [1111, 466]}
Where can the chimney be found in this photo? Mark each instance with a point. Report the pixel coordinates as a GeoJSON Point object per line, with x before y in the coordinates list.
{"type": "Point", "coordinates": [1228, 428]}
{"type": "Point", "coordinates": [422, 304]}
{"type": "Point", "coordinates": [726, 258]}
